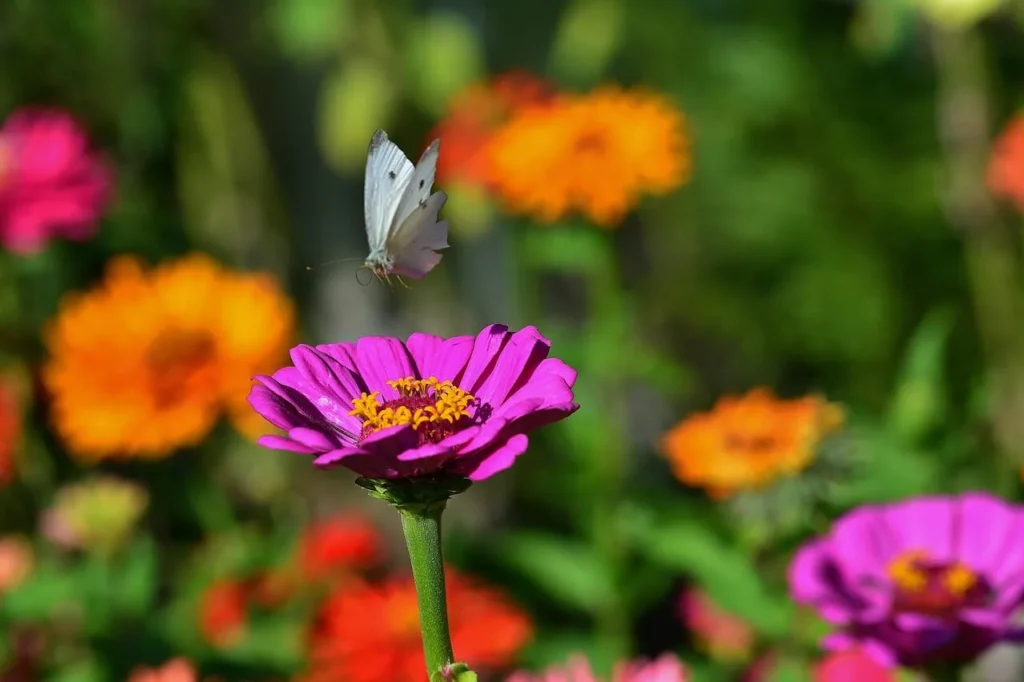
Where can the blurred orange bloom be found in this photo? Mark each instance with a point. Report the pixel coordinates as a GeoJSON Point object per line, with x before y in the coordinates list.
{"type": "Point", "coordinates": [175, 670]}
{"type": "Point", "coordinates": [1006, 165]}
{"type": "Point", "coordinates": [16, 562]}
{"type": "Point", "coordinates": [473, 116]}
{"type": "Point", "coordinates": [597, 153]}
{"type": "Point", "coordinates": [487, 631]}
{"type": "Point", "coordinates": [149, 360]}
{"type": "Point", "coordinates": [746, 442]}
{"type": "Point", "coordinates": [10, 431]}
{"type": "Point", "coordinates": [223, 613]}
{"type": "Point", "coordinates": [338, 544]}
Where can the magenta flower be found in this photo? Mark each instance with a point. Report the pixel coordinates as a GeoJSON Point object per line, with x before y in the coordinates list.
{"type": "Point", "coordinates": [665, 668]}
{"type": "Point", "coordinates": [50, 183]}
{"type": "Point", "coordinates": [928, 580]}
{"type": "Point", "coordinates": [851, 666]}
{"type": "Point", "coordinates": [386, 409]}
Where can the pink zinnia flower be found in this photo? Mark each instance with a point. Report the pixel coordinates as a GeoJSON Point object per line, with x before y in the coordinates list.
{"type": "Point", "coordinates": [851, 666]}
{"type": "Point", "coordinates": [387, 409]}
{"type": "Point", "coordinates": [721, 634]}
{"type": "Point", "coordinates": [930, 580]}
{"type": "Point", "coordinates": [175, 670]}
{"type": "Point", "coordinates": [665, 668]}
{"type": "Point", "coordinates": [51, 184]}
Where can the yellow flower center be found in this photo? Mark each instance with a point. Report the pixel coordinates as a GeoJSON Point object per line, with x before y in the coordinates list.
{"type": "Point", "coordinates": [933, 588]}
{"type": "Point", "coordinates": [434, 409]}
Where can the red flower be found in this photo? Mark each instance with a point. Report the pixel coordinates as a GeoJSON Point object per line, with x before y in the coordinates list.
{"type": "Point", "coordinates": [10, 431]}
{"type": "Point", "coordinates": [851, 666]}
{"type": "Point", "coordinates": [1006, 165]}
{"type": "Point", "coordinates": [222, 612]}
{"type": "Point", "coordinates": [370, 633]}
{"type": "Point", "coordinates": [336, 545]}
{"type": "Point", "coordinates": [473, 116]}
{"type": "Point", "coordinates": [51, 184]}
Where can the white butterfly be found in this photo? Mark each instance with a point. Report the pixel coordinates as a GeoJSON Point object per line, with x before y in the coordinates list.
{"type": "Point", "coordinates": [402, 228]}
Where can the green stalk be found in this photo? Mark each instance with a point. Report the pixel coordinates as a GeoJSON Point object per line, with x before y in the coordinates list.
{"type": "Point", "coordinates": [422, 528]}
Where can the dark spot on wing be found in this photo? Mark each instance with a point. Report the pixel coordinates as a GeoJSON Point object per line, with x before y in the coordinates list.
{"type": "Point", "coordinates": [392, 175]}
{"type": "Point", "coordinates": [421, 184]}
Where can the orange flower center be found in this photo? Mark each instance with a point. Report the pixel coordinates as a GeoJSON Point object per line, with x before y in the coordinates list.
{"type": "Point", "coordinates": [435, 409]}
{"type": "Point", "coordinates": [935, 589]}
{"type": "Point", "coordinates": [591, 141]}
{"type": "Point", "coordinates": [176, 359]}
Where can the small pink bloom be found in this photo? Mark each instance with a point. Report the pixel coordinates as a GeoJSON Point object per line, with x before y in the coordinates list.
{"type": "Point", "coordinates": [851, 666]}
{"type": "Point", "coordinates": [51, 184]}
{"type": "Point", "coordinates": [176, 670]}
{"type": "Point", "coordinates": [762, 669]}
{"type": "Point", "coordinates": [722, 635]}
{"type": "Point", "coordinates": [16, 562]}
{"type": "Point", "coordinates": [666, 668]}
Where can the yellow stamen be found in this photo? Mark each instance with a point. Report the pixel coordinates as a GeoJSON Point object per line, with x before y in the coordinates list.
{"type": "Point", "coordinates": [960, 579]}
{"type": "Point", "coordinates": [450, 404]}
{"type": "Point", "coordinates": [905, 573]}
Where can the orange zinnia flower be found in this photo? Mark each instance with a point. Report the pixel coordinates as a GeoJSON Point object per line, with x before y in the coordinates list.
{"type": "Point", "coordinates": [1006, 165]}
{"type": "Point", "coordinates": [746, 442]}
{"type": "Point", "coordinates": [148, 361]}
{"type": "Point", "coordinates": [223, 612]}
{"type": "Point", "coordinates": [175, 670]}
{"type": "Point", "coordinates": [338, 544]}
{"type": "Point", "coordinates": [487, 631]}
{"type": "Point", "coordinates": [473, 116]}
{"type": "Point", "coordinates": [596, 153]}
{"type": "Point", "coordinates": [10, 431]}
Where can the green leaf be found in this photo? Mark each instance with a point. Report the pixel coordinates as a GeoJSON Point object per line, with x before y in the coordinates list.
{"type": "Point", "coordinates": [588, 36]}
{"type": "Point", "coordinates": [81, 671]}
{"type": "Point", "coordinates": [886, 470]}
{"type": "Point", "coordinates": [443, 55]}
{"type": "Point", "coordinates": [577, 248]}
{"type": "Point", "coordinates": [723, 571]}
{"type": "Point", "coordinates": [790, 670]}
{"type": "Point", "coordinates": [567, 570]}
{"type": "Point", "coordinates": [309, 29]}
{"type": "Point", "coordinates": [919, 402]}
{"type": "Point", "coordinates": [38, 598]}
{"type": "Point", "coordinates": [137, 578]}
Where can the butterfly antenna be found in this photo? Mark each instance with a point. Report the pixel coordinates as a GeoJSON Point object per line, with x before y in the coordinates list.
{"type": "Point", "coordinates": [311, 268]}
{"type": "Point", "coordinates": [402, 282]}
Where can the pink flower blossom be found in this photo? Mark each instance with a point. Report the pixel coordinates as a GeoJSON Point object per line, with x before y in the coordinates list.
{"type": "Point", "coordinates": [722, 635]}
{"type": "Point", "coordinates": [851, 666]}
{"type": "Point", "coordinates": [51, 184]}
{"type": "Point", "coordinates": [665, 668]}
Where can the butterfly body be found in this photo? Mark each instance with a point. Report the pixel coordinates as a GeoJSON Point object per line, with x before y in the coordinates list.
{"type": "Point", "coordinates": [402, 226]}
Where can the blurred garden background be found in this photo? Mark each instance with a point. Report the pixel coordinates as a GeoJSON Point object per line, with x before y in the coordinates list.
{"type": "Point", "coordinates": [781, 243]}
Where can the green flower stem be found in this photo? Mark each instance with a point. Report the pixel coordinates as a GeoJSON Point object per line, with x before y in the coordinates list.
{"type": "Point", "coordinates": [422, 527]}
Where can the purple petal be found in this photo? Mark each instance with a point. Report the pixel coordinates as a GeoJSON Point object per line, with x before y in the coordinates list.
{"type": "Point", "coordinates": [925, 524]}
{"type": "Point", "coordinates": [275, 442]}
{"type": "Point", "coordinates": [500, 458]}
{"type": "Point", "coordinates": [437, 357]}
{"type": "Point", "coordinates": [486, 347]}
{"type": "Point", "coordinates": [316, 440]}
{"type": "Point", "coordinates": [815, 580]}
{"type": "Point", "coordinates": [523, 351]}
{"type": "Point", "coordinates": [381, 359]}
{"type": "Point", "coordinates": [989, 536]}
{"type": "Point", "coordinates": [863, 544]}
{"type": "Point", "coordinates": [329, 385]}
{"type": "Point", "coordinates": [344, 353]}
{"type": "Point", "coordinates": [273, 407]}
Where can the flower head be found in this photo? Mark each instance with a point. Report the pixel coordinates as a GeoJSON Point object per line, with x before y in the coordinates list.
{"type": "Point", "coordinates": [596, 153]}
{"type": "Point", "coordinates": [851, 666]}
{"type": "Point", "coordinates": [1006, 165]}
{"type": "Point", "coordinates": [474, 115]}
{"type": "Point", "coordinates": [96, 514]}
{"type": "Point", "coordinates": [338, 544]}
{"type": "Point", "coordinates": [175, 670]}
{"type": "Point", "coordinates": [665, 668]}
{"type": "Point", "coordinates": [744, 443]}
{"type": "Point", "coordinates": [721, 634]}
{"type": "Point", "coordinates": [51, 184]}
{"type": "Point", "coordinates": [223, 612]}
{"type": "Point", "coordinates": [16, 562]}
{"type": "Point", "coordinates": [10, 431]}
{"type": "Point", "coordinates": [387, 409]}
{"type": "Point", "coordinates": [931, 579]}
{"type": "Point", "coordinates": [487, 630]}
{"type": "Point", "coordinates": [189, 336]}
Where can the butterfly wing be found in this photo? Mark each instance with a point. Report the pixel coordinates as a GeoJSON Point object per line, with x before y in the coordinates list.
{"type": "Point", "coordinates": [418, 239]}
{"type": "Point", "coordinates": [388, 176]}
{"type": "Point", "coordinates": [418, 189]}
